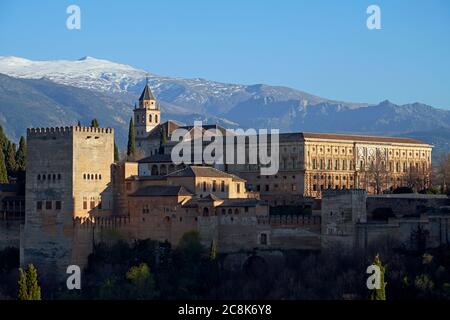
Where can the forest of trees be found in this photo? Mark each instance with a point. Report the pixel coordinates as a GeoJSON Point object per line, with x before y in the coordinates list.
{"type": "Point", "coordinates": [149, 269]}
{"type": "Point", "coordinates": [12, 159]}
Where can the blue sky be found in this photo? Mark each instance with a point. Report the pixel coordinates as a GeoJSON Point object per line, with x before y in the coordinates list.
{"type": "Point", "coordinates": [322, 47]}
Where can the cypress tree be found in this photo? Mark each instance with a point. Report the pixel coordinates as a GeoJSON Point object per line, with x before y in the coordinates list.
{"type": "Point", "coordinates": [94, 123]}
{"type": "Point", "coordinates": [10, 159]}
{"type": "Point", "coordinates": [213, 251]}
{"type": "Point", "coordinates": [116, 153]}
{"type": "Point", "coordinates": [379, 294]}
{"type": "Point", "coordinates": [130, 147]}
{"type": "Point", "coordinates": [23, 292]}
{"type": "Point", "coordinates": [3, 141]}
{"type": "Point", "coordinates": [28, 284]}
{"type": "Point", "coordinates": [3, 171]}
{"type": "Point", "coordinates": [21, 155]}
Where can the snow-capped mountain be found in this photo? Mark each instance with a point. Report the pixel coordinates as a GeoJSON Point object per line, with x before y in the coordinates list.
{"type": "Point", "coordinates": [198, 95]}
{"type": "Point", "coordinates": [86, 73]}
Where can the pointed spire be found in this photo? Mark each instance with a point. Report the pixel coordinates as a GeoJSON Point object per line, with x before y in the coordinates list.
{"type": "Point", "coordinates": [147, 93]}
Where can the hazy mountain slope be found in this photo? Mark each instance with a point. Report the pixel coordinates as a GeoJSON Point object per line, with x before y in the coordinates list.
{"type": "Point", "coordinates": [37, 103]}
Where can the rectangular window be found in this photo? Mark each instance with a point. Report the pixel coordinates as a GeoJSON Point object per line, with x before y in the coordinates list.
{"type": "Point", "coordinates": [258, 187]}
{"type": "Point", "coordinates": [92, 206]}
{"type": "Point", "coordinates": [267, 187]}
{"type": "Point", "coordinates": [58, 205]}
{"type": "Point", "coordinates": [214, 186]}
{"type": "Point", "coordinates": [39, 205]}
{"type": "Point", "coordinates": [84, 205]}
{"type": "Point", "coordinates": [238, 186]}
{"type": "Point", "coordinates": [314, 164]}
{"type": "Point", "coordinates": [48, 205]}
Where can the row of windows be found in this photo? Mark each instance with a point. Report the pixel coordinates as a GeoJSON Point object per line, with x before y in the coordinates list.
{"type": "Point", "coordinates": [92, 176]}
{"type": "Point", "coordinates": [328, 150]}
{"type": "Point", "coordinates": [276, 177]}
{"type": "Point", "coordinates": [321, 164]}
{"type": "Point", "coordinates": [49, 177]}
{"type": "Point", "coordinates": [92, 205]}
{"type": "Point", "coordinates": [49, 205]}
{"type": "Point", "coordinates": [230, 211]}
{"type": "Point", "coordinates": [410, 153]}
{"type": "Point", "coordinates": [322, 177]}
{"type": "Point", "coordinates": [214, 187]}
{"type": "Point", "coordinates": [275, 186]}
{"type": "Point", "coordinates": [150, 118]}
{"type": "Point", "coordinates": [206, 211]}
{"type": "Point", "coordinates": [336, 187]}
{"type": "Point", "coordinates": [396, 166]}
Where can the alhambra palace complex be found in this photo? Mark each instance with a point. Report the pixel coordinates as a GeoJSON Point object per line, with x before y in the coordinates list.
{"type": "Point", "coordinates": [76, 195]}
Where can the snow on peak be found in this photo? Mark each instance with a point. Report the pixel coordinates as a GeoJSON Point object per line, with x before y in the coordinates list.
{"type": "Point", "coordinates": [87, 72]}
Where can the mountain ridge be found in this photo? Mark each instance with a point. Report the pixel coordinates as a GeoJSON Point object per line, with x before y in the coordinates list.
{"type": "Point", "coordinates": [69, 86]}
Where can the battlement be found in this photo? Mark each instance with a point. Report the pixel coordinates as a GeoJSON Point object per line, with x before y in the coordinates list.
{"type": "Point", "coordinates": [336, 193]}
{"type": "Point", "coordinates": [111, 221]}
{"type": "Point", "coordinates": [289, 220]}
{"type": "Point", "coordinates": [66, 130]}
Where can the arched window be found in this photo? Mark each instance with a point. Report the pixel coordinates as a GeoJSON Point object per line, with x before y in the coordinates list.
{"type": "Point", "coordinates": [154, 170]}
{"type": "Point", "coordinates": [263, 239]}
{"type": "Point", "coordinates": [156, 118]}
{"type": "Point", "coordinates": [100, 177]}
{"type": "Point", "coordinates": [222, 186]}
{"type": "Point", "coordinates": [236, 211]}
{"type": "Point", "coordinates": [205, 212]}
{"type": "Point", "coordinates": [96, 176]}
{"type": "Point", "coordinates": [230, 211]}
{"type": "Point", "coordinates": [59, 176]}
{"type": "Point", "coordinates": [223, 212]}
{"type": "Point", "coordinates": [204, 185]}
{"type": "Point", "coordinates": [39, 177]}
{"type": "Point", "coordinates": [150, 118]}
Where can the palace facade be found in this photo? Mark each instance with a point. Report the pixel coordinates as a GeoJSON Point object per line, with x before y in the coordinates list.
{"type": "Point", "coordinates": [309, 163]}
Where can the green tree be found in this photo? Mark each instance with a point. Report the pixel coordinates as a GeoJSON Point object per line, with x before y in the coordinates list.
{"type": "Point", "coordinates": [3, 171]}
{"type": "Point", "coordinates": [94, 123]}
{"type": "Point", "coordinates": [21, 155]}
{"type": "Point", "coordinates": [28, 284]}
{"type": "Point", "coordinates": [10, 159]}
{"type": "Point", "coordinates": [379, 294]}
{"type": "Point", "coordinates": [116, 153]}
{"type": "Point", "coordinates": [162, 141]}
{"type": "Point", "coordinates": [142, 282]}
{"type": "Point", "coordinates": [130, 147]}
{"type": "Point", "coordinates": [213, 251]}
{"type": "Point", "coordinates": [3, 141]}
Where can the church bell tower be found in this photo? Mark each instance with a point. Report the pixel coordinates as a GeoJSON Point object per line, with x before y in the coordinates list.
{"type": "Point", "coordinates": [147, 115]}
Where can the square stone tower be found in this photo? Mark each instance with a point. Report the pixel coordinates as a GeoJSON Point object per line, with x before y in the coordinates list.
{"type": "Point", "coordinates": [147, 115]}
{"type": "Point", "coordinates": [341, 211]}
{"type": "Point", "coordinates": [68, 176]}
